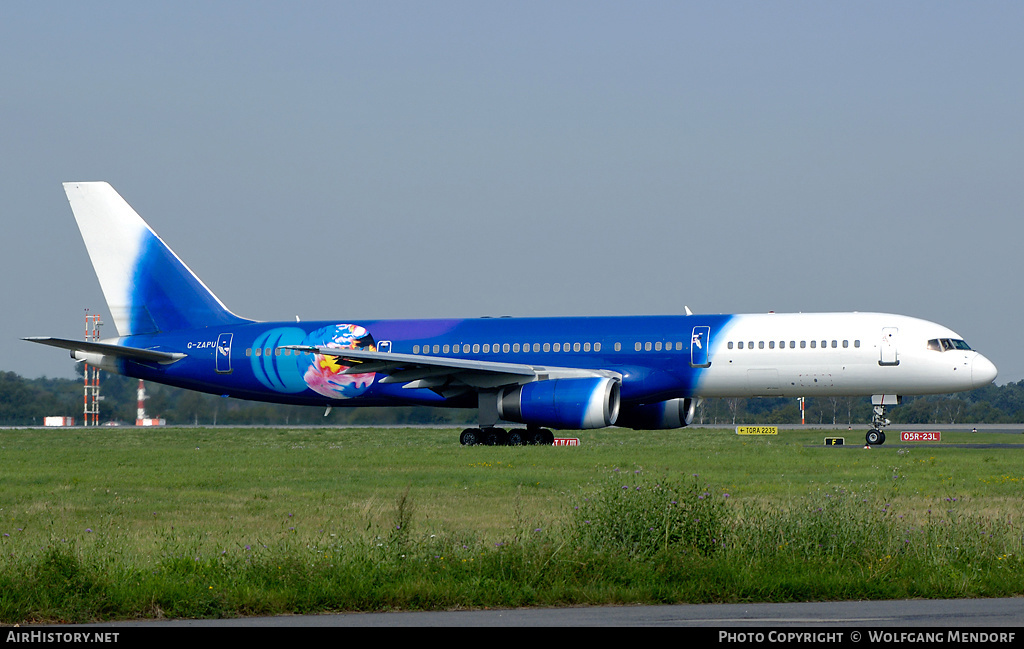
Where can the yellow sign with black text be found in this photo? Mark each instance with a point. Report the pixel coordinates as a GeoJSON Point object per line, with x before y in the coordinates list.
{"type": "Point", "coordinates": [757, 430]}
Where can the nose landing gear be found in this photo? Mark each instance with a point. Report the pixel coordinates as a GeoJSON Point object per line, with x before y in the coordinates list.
{"type": "Point", "coordinates": [875, 436]}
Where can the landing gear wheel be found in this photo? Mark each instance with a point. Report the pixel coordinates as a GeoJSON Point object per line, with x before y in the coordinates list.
{"type": "Point", "coordinates": [539, 436]}
{"type": "Point", "coordinates": [875, 437]}
{"type": "Point", "coordinates": [470, 437]}
{"type": "Point", "coordinates": [494, 436]}
{"type": "Point", "coordinates": [515, 437]}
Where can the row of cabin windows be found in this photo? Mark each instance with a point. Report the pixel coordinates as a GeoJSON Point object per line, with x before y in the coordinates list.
{"type": "Point", "coordinates": [506, 348]}
{"type": "Point", "coordinates": [274, 351]}
{"type": "Point", "coordinates": [647, 346]}
{"type": "Point", "coordinates": [516, 348]}
{"type": "Point", "coordinates": [792, 344]}
{"type": "Point", "coordinates": [537, 347]}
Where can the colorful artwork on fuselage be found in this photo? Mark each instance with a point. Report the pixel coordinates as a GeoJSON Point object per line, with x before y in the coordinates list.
{"type": "Point", "coordinates": [324, 375]}
{"type": "Point", "coordinates": [293, 372]}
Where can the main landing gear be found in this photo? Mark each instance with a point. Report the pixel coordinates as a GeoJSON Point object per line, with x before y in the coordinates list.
{"type": "Point", "coordinates": [490, 436]}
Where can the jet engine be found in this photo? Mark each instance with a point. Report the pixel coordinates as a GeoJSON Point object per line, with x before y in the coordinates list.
{"type": "Point", "coordinates": [674, 413]}
{"type": "Point", "coordinates": [572, 403]}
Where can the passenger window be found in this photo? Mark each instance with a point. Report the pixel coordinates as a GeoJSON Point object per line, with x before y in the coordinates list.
{"type": "Point", "coordinates": [856, 343]}
{"type": "Point", "coordinates": [597, 347]}
{"type": "Point", "coordinates": [618, 347]}
{"type": "Point", "coordinates": [547, 347]}
{"type": "Point", "coordinates": [730, 345]}
{"type": "Point", "coordinates": [637, 346]}
{"type": "Point", "coordinates": [586, 347]}
{"type": "Point", "coordinates": [792, 344]}
{"type": "Point", "coordinates": [741, 344]}
{"type": "Point", "coordinates": [536, 347]}
{"type": "Point", "coordinates": [558, 347]}
{"type": "Point", "coordinates": [575, 347]}
{"type": "Point", "coordinates": [647, 346]}
{"type": "Point", "coordinates": [814, 344]}
{"type": "Point", "coordinates": [846, 343]}
{"type": "Point", "coordinates": [487, 348]}
{"type": "Point", "coordinates": [437, 348]}
{"type": "Point", "coordinates": [248, 352]}
{"type": "Point", "coordinates": [476, 349]}
{"type": "Point", "coordinates": [515, 348]}
{"type": "Point", "coordinates": [835, 344]}
{"type": "Point", "coordinates": [415, 349]}
{"type": "Point", "coordinates": [445, 349]}
{"type": "Point", "coordinates": [760, 344]}
{"type": "Point", "coordinates": [803, 344]}
{"type": "Point", "coordinates": [771, 344]}
{"type": "Point", "coordinates": [657, 346]}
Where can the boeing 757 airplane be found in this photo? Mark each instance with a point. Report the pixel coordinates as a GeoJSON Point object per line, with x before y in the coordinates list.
{"type": "Point", "coordinates": [641, 372]}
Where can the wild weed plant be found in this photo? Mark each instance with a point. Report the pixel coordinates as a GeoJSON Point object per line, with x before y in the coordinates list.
{"type": "Point", "coordinates": [638, 516]}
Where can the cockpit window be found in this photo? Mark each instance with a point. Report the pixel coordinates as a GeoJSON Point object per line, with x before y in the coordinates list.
{"type": "Point", "coordinates": [947, 344]}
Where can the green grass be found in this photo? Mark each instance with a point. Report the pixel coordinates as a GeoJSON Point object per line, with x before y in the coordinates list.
{"type": "Point", "coordinates": [122, 523]}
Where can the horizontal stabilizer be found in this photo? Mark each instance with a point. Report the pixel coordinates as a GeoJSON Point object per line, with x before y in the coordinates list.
{"type": "Point", "coordinates": [133, 353]}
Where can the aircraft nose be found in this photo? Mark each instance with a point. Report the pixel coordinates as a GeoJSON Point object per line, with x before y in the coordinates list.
{"type": "Point", "coordinates": [983, 371]}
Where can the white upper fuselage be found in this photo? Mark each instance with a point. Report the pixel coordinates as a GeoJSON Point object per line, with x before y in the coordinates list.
{"type": "Point", "coordinates": [819, 354]}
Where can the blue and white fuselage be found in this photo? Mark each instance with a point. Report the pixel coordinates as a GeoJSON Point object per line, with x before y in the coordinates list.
{"type": "Point", "coordinates": [572, 372]}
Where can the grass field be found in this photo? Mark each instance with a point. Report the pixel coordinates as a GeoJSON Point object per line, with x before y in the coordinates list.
{"type": "Point", "coordinates": [121, 523]}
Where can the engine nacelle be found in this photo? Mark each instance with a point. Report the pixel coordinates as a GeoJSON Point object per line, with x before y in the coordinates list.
{"type": "Point", "coordinates": [562, 403]}
{"type": "Point", "coordinates": [105, 362]}
{"type": "Point", "coordinates": [674, 413]}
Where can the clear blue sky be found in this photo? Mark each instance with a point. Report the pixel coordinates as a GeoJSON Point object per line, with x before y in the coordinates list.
{"type": "Point", "coordinates": [409, 159]}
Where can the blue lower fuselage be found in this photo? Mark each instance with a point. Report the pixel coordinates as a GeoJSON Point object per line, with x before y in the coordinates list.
{"type": "Point", "coordinates": [658, 357]}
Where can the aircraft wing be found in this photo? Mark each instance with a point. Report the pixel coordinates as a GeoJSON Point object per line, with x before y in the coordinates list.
{"type": "Point", "coordinates": [445, 374]}
{"type": "Point", "coordinates": [134, 353]}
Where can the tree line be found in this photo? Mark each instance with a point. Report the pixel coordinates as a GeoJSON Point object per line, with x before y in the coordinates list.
{"type": "Point", "coordinates": [25, 402]}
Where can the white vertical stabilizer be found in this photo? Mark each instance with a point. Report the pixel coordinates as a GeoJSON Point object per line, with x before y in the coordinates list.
{"type": "Point", "coordinates": [147, 287]}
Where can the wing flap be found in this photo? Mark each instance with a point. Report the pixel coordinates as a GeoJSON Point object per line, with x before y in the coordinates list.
{"type": "Point", "coordinates": [420, 371]}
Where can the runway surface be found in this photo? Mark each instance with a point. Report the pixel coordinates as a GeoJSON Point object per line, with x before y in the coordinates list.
{"type": "Point", "coordinates": [1007, 612]}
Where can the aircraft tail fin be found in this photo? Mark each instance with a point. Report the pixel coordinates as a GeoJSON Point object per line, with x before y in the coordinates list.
{"type": "Point", "coordinates": [148, 289]}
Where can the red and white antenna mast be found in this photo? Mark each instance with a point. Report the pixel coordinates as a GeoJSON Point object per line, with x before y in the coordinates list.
{"type": "Point", "coordinates": [91, 395]}
{"type": "Point", "coordinates": [140, 414]}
